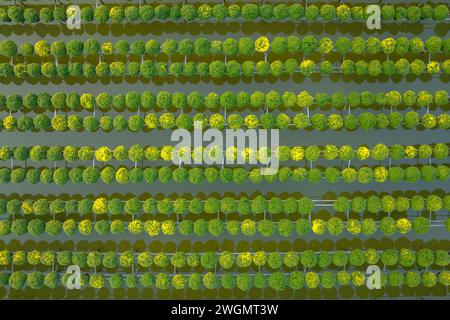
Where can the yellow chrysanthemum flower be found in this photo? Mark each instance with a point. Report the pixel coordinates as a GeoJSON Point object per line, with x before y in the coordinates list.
{"type": "Point", "coordinates": [358, 278]}
{"type": "Point", "coordinates": [297, 153]}
{"type": "Point", "coordinates": [151, 121]}
{"type": "Point", "coordinates": [107, 48]}
{"type": "Point", "coordinates": [251, 121]}
{"type": "Point", "coordinates": [245, 258]}
{"type": "Point", "coordinates": [372, 256]}
{"type": "Point", "coordinates": [410, 152]}
{"type": "Point", "coordinates": [19, 257]}
{"type": "Point", "coordinates": [103, 154]}
{"type": "Point", "coordinates": [87, 101]}
{"type": "Point", "coordinates": [4, 258]}
{"type": "Point", "coordinates": [380, 174]}
{"type": "Point", "coordinates": [318, 226]}
{"type": "Point", "coordinates": [168, 227]}
{"type": "Point", "coordinates": [9, 123]}
{"type": "Point", "coordinates": [354, 226]}
{"type": "Point", "coordinates": [444, 277]}
{"type": "Point", "coordinates": [135, 226]}
{"type": "Point", "coordinates": [122, 176]}
{"type": "Point", "coordinates": [433, 67]}
{"type": "Point", "coordinates": [152, 228]}
{"type": "Point", "coordinates": [27, 207]}
{"type": "Point", "coordinates": [262, 44]}
{"type": "Point", "coordinates": [5, 153]}
{"type": "Point", "coordinates": [97, 282]}
{"type": "Point", "coordinates": [403, 225]}
{"type": "Point", "coordinates": [363, 153]}
{"type": "Point", "coordinates": [126, 259]}
{"type": "Point", "coordinates": [34, 257]}
{"type": "Point", "coordinates": [100, 206]}
{"type": "Point", "coordinates": [42, 48]}
{"type": "Point", "coordinates": [166, 153]}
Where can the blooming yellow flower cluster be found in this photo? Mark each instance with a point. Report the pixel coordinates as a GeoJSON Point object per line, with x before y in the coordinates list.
{"type": "Point", "coordinates": [363, 153]}
{"type": "Point", "coordinates": [297, 153]}
{"type": "Point", "coordinates": [433, 67]}
{"type": "Point", "coordinates": [27, 207]}
{"type": "Point", "coordinates": [100, 206]}
{"type": "Point", "coordinates": [4, 258]}
{"type": "Point", "coordinates": [380, 174]}
{"type": "Point", "coordinates": [410, 152]}
{"type": "Point", "coordinates": [107, 48]}
{"type": "Point", "coordinates": [262, 44]}
{"type": "Point", "coordinates": [103, 154]}
{"type": "Point", "coordinates": [122, 175]}
{"type": "Point", "coordinates": [251, 121]}
{"type": "Point", "coordinates": [97, 282]}
{"type": "Point", "coordinates": [9, 123]}
{"type": "Point", "coordinates": [354, 227]}
{"type": "Point", "coordinates": [358, 278]}
{"type": "Point", "coordinates": [245, 258]}
{"type": "Point", "coordinates": [404, 225]}
{"type": "Point", "coordinates": [318, 226]}
{"type": "Point", "coordinates": [166, 153]}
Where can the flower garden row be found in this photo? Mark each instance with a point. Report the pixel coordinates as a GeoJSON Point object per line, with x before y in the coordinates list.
{"type": "Point", "coordinates": [212, 205]}
{"type": "Point", "coordinates": [217, 227]}
{"type": "Point", "coordinates": [423, 258]}
{"type": "Point", "coordinates": [228, 100]}
{"type": "Point", "coordinates": [230, 47]}
{"type": "Point", "coordinates": [278, 281]}
{"type": "Point", "coordinates": [137, 153]}
{"type": "Point", "coordinates": [220, 12]}
{"type": "Point", "coordinates": [237, 175]}
{"type": "Point", "coordinates": [169, 120]}
{"type": "Point", "coordinates": [221, 70]}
